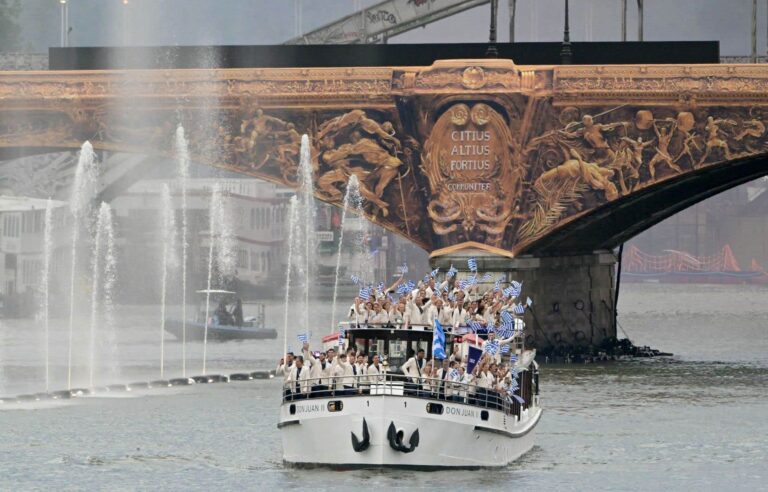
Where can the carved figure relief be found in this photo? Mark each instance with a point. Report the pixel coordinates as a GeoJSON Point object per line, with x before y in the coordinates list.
{"type": "Point", "coordinates": [588, 163]}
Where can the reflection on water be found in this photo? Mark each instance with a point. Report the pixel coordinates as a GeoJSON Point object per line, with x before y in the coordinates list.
{"type": "Point", "coordinates": [696, 421]}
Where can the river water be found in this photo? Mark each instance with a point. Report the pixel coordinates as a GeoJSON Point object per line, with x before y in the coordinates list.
{"type": "Point", "coordinates": [696, 422]}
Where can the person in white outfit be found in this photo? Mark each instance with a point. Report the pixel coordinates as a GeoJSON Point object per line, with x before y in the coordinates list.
{"type": "Point", "coordinates": [299, 379]}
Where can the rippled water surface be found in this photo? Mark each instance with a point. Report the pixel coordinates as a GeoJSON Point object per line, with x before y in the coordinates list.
{"type": "Point", "coordinates": [696, 422]}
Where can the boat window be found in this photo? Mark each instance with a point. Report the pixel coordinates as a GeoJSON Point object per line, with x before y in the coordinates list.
{"type": "Point", "coordinates": [484, 415]}
{"type": "Point", "coordinates": [435, 408]}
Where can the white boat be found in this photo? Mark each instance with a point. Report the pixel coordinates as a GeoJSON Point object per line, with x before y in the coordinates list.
{"type": "Point", "coordinates": [394, 423]}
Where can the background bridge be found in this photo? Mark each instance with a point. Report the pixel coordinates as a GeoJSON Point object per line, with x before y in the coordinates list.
{"type": "Point", "coordinates": [540, 170]}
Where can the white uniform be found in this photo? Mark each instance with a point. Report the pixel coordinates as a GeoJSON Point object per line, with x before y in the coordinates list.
{"type": "Point", "coordinates": [375, 374]}
{"type": "Point", "coordinates": [285, 371]}
{"type": "Point", "coordinates": [299, 380]}
{"type": "Point", "coordinates": [460, 317]}
{"type": "Point", "coordinates": [417, 315]}
{"type": "Point", "coordinates": [378, 318]}
{"type": "Point", "coordinates": [344, 375]}
{"type": "Point", "coordinates": [412, 368]}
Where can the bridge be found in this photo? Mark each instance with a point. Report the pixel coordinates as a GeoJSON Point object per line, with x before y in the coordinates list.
{"type": "Point", "coordinates": [539, 171]}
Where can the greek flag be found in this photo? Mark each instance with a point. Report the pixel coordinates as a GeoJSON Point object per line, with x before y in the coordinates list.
{"type": "Point", "coordinates": [380, 287]}
{"type": "Point", "coordinates": [508, 291]}
{"type": "Point", "coordinates": [463, 284]}
{"type": "Point", "coordinates": [438, 342]}
{"type": "Point", "coordinates": [303, 338]}
{"type": "Point", "coordinates": [506, 330]}
{"type": "Point", "coordinates": [486, 278]}
{"type": "Point", "coordinates": [514, 373]}
{"type": "Point", "coordinates": [451, 272]}
{"type": "Point", "coordinates": [505, 349]}
{"type": "Point", "coordinates": [474, 326]}
{"type": "Point", "coordinates": [529, 301]}
{"type": "Point", "coordinates": [342, 332]}
{"type": "Point", "coordinates": [403, 288]}
{"type": "Point", "coordinates": [451, 297]}
{"type": "Point", "coordinates": [513, 386]}
{"type": "Point", "coordinates": [497, 285]}
{"type": "Point", "coordinates": [434, 272]}
{"type": "Point", "coordinates": [489, 328]}
{"type": "Point", "coordinates": [513, 358]}
{"type": "Point", "coordinates": [454, 374]}
{"type": "Point", "coordinates": [426, 278]}
{"type": "Point", "coordinates": [472, 264]}
{"type": "Point", "coordinates": [355, 279]}
{"type": "Point", "coordinates": [519, 308]}
{"type": "Point", "coordinates": [516, 288]}
{"type": "Point", "coordinates": [445, 287]}
{"type": "Point", "coordinates": [365, 293]}
{"type": "Point", "coordinates": [491, 348]}
{"type": "Point", "coordinates": [506, 317]}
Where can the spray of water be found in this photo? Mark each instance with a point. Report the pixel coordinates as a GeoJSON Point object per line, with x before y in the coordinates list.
{"type": "Point", "coordinates": [107, 227]}
{"type": "Point", "coordinates": [182, 161]}
{"type": "Point", "coordinates": [293, 216]}
{"type": "Point", "coordinates": [95, 291]}
{"type": "Point", "coordinates": [352, 199]}
{"type": "Point", "coordinates": [308, 212]}
{"type": "Point", "coordinates": [45, 282]}
{"type": "Point", "coordinates": [103, 276]}
{"type": "Point", "coordinates": [84, 192]}
{"type": "Point", "coordinates": [221, 253]}
{"type": "Point", "coordinates": [168, 233]}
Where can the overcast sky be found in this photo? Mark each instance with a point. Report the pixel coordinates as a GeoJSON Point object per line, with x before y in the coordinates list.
{"type": "Point", "coordinates": [200, 22]}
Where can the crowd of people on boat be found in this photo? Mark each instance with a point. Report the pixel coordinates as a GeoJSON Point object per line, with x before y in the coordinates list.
{"type": "Point", "coordinates": [348, 373]}
{"type": "Point", "coordinates": [451, 302]}
{"type": "Point", "coordinates": [459, 305]}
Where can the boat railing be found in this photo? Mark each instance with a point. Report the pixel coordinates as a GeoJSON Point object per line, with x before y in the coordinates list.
{"type": "Point", "coordinates": [454, 330]}
{"type": "Point", "coordinates": [391, 384]}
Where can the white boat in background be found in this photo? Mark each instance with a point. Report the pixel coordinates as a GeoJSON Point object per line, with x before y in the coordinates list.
{"type": "Point", "coordinates": [393, 423]}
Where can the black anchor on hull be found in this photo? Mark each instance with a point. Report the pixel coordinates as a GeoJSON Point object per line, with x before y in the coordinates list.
{"type": "Point", "coordinates": [358, 445]}
{"type": "Point", "coordinates": [396, 439]}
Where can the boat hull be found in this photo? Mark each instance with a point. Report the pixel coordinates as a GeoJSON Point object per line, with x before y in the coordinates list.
{"type": "Point", "coordinates": [196, 331]}
{"type": "Point", "coordinates": [462, 436]}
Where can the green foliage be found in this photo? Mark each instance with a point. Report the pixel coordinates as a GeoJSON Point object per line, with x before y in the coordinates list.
{"type": "Point", "coordinates": [10, 30]}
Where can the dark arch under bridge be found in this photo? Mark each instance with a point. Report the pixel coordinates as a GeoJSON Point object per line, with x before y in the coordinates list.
{"type": "Point", "coordinates": [462, 157]}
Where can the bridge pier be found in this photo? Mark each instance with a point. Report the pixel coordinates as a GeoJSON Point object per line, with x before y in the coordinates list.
{"type": "Point", "coordinates": [573, 295]}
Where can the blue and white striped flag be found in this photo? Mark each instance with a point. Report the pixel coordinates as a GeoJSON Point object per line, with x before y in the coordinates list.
{"type": "Point", "coordinates": [505, 348]}
{"type": "Point", "coordinates": [445, 287]}
{"type": "Point", "coordinates": [451, 272]}
{"type": "Point", "coordinates": [513, 358]}
{"type": "Point", "coordinates": [355, 279]}
{"type": "Point", "coordinates": [497, 285]}
{"type": "Point", "coordinates": [402, 289]}
{"type": "Point", "coordinates": [506, 330]}
{"type": "Point", "coordinates": [517, 287]}
{"type": "Point", "coordinates": [365, 293]}
{"type": "Point", "coordinates": [380, 287]}
{"type": "Point", "coordinates": [463, 284]}
{"type": "Point", "coordinates": [472, 264]}
{"type": "Point", "coordinates": [342, 332]}
{"type": "Point", "coordinates": [508, 291]}
{"type": "Point", "coordinates": [426, 278]}
{"type": "Point", "coordinates": [474, 326]}
{"type": "Point", "coordinates": [438, 342]}
{"type": "Point", "coordinates": [486, 278]}
{"type": "Point", "coordinates": [303, 338]}
{"type": "Point", "coordinates": [506, 317]}
{"type": "Point", "coordinates": [454, 374]}
{"type": "Point", "coordinates": [519, 308]}
{"type": "Point", "coordinates": [434, 272]}
{"type": "Point", "coordinates": [491, 348]}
